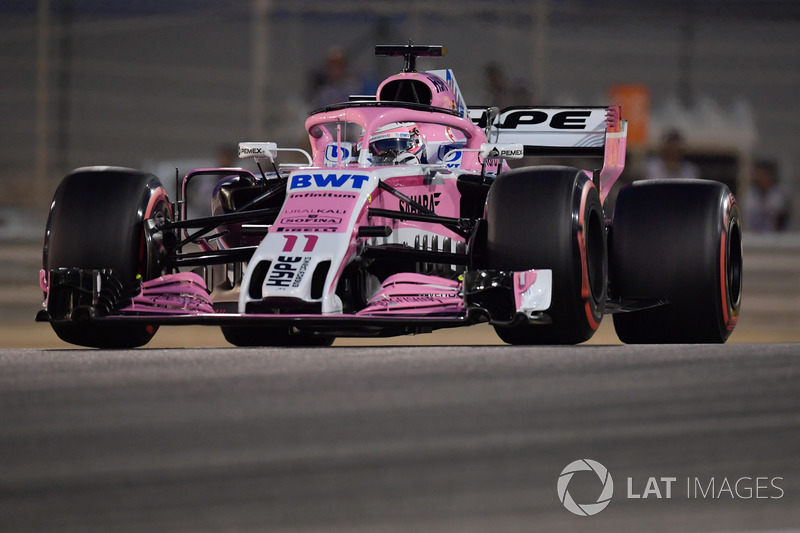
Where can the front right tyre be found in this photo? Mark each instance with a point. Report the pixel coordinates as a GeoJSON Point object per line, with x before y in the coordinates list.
{"type": "Point", "coordinates": [551, 217]}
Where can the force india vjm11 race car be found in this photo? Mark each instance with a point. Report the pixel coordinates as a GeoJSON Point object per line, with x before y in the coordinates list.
{"type": "Point", "coordinates": [405, 217]}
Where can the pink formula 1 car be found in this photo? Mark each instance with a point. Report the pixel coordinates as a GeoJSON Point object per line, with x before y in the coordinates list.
{"type": "Point", "coordinates": [404, 218]}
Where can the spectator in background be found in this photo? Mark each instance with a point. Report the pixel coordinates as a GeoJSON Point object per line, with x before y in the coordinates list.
{"type": "Point", "coordinates": [227, 156]}
{"type": "Point", "coordinates": [671, 162]}
{"type": "Point", "coordinates": [335, 82]}
{"type": "Point", "coordinates": [766, 207]}
{"type": "Point", "coordinates": [499, 92]}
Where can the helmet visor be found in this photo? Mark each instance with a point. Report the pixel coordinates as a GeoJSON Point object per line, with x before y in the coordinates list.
{"type": "Point", "coordinates": [391, 145]}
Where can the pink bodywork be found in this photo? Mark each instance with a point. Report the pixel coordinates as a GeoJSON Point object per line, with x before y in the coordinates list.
{"type": "Point", "coordinates": [409, 293]}
{"type": "Point", "coordinates": [179, 294]}
{"type": "Point", "coordinates": [404, 294]}
{"type": "Point", "coordinates": [442, 198]}
{"type": "Point", "coordinates": [614, 156]}
{"type": "Point", "coordinates": [371, 118]}
{"type": "Point", "coordinates": [522, 282]}
{"type": "Point", "coordinates": [324, 211]}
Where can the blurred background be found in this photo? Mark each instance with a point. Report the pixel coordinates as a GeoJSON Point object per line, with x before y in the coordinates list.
{"type": "Point", "coordinates": [710, 89]}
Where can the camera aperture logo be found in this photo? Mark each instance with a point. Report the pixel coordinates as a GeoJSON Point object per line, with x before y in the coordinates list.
{"type": "Point", "coordinates": [585, 509]}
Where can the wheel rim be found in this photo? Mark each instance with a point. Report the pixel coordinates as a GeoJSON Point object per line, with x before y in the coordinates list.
{"type": "Point", "coordinates": [595, 255]}
{"type": "Point", "coordinates": [733, 271]}
{"type": "Point", "coordinates": [151, 248]}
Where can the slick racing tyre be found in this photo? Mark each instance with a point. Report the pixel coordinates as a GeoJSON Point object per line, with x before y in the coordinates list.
{"type": "Point", "coordinates": [96, 222]}
{"type": "Point", "coordinates": [679, 241]}
{"type": "Point", "coordinates": [551, 218]}
{"type": "Point", "coordinates": [259, 336]}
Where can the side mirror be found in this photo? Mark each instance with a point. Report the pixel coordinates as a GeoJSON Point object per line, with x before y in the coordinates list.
{"type": "Point", "coordinates": [258, 150]}
{"type": "Point", "coordinates": [502, 151]}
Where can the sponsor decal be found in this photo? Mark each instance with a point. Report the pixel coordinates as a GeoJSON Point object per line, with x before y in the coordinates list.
{"type": "Point", "coordinates": [301, 272]}
{"type": "Point", "coordinates": [437, 82]}
{"type": "Point", "coordinates": [315, 222]}
{"type": "Point", "coordinates": [453, 159]}
{"type": "Point", "coordinates": [312, 220]}
{"type": "Point", "coordinates": [307, 229]}
{"type": "Point", "coordinates": [316, 211]}
{"type": "Point", "coordinates": [420, 298]}
{"type": "Point", "coordinates": [323, 194]}
{"type": "Point", "coordinates": [332, 153]}
{"type": "Point", "coordinates": [333, 180]}
{"type": "Point", "coordinates": [250, 151]}
{"type": "Point", "coordinates": [561, 120]}
{"type": "Point", "coordinates": [283, 271]}
{"type": "Point", "coordinates": [428, 201]}
{"type": "Point", "coordinates": [451, 82]}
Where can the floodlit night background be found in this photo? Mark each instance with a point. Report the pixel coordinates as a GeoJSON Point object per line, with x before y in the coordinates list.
{"type": "Point", "coordinates": [159, 85]}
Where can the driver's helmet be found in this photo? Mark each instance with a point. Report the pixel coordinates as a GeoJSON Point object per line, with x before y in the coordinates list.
{"type": "Point", "coordinates": [397, 143]}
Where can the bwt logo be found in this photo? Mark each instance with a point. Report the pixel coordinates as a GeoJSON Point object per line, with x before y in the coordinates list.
{"type": "Point", "coordinates": [354, 181]}
{"type": "Point", "coordinates": [585, 509]}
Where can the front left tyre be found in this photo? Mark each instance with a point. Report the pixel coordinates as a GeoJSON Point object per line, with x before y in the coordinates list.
{"type": "Point", "coordinates": [97, 222]}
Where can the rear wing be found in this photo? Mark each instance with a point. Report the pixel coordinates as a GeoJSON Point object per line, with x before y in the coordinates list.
{"type": "Point", "coordinates": [561, 132]}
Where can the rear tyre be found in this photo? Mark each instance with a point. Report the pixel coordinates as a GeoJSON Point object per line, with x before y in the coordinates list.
{"type": "Point", "coordinates": [551, 218]}
{"type": "Point", "coordinates": [258, 336]}
{"type": "Point", "coordinates": [96, 221]}
{"type": "Point", "coordinates": [678, 240]}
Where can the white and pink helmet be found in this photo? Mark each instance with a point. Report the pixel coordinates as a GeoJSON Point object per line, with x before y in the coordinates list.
{"type": "Point", "coordinates": [396, 143]}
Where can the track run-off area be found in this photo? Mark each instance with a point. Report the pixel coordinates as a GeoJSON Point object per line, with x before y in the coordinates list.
{"type": "Point", "coordinates": [399, 438]}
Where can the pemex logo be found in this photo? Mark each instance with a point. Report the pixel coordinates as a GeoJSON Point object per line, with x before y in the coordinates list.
{"type": "Point", "coordinates": [585, 509]}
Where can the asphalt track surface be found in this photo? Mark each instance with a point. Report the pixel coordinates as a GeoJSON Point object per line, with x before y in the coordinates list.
{"type": "Point", "coordinates": [397, 438]}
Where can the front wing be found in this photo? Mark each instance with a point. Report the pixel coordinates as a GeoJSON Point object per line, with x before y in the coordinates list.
{"type": "Point", "coordinates": [406, 303]}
